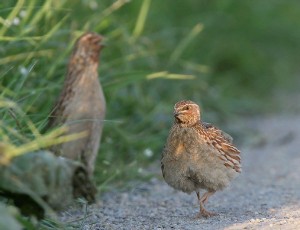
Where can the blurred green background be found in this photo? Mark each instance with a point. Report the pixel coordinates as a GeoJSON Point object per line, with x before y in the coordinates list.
{"type": "Point", "coordinates": [232, 57]}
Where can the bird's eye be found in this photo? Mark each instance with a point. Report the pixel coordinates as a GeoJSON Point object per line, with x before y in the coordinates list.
{"type": "Point", "coordinates": [187, 107]}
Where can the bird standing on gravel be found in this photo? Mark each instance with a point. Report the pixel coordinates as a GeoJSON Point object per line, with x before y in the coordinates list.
{"type": "Point", "coordinates": [198, 155]}
{"type": "Point", "coordinates": [81, 105]}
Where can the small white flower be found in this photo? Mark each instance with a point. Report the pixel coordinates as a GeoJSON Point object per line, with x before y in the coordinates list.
{"type": "Point", "coordinates": [16, 21]}
{"type": "Point", "coordinates": [23, 71]}
{"type": "Point", "coordinates": [93, 5]}
{"type": "Point", "coordinates": [148, 152]}
{"type": "Point", "coordinates": [22, 13]}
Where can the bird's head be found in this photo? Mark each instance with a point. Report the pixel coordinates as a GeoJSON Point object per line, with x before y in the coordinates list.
{"type": "Point", "coordinates": [186, 113]}
{"type": "Point", "coordinates": [88, 46]}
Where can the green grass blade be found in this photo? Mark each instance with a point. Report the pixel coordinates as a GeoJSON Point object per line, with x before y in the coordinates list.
{"type": "Point", "coordinates": [140, 23]}
{"type": "Point", "coordinates": [185, 42]}
{"type": "Point", "coordinates": [12, 15]}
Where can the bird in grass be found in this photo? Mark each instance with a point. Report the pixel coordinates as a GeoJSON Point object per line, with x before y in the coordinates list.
{"type": "Point", "coordinates": [197, 155]}
{"type": "Point", "coordinates": [81, 105]}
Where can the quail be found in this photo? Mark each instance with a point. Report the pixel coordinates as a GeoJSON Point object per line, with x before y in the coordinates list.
{"type": "Point", "coordinates": [81, 105]}
{"type": "Point", "coordinates": [198, 156]}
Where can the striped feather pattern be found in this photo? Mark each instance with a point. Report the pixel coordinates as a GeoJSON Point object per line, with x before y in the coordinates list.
{"type": "Point", "coordinates": [222, 142]}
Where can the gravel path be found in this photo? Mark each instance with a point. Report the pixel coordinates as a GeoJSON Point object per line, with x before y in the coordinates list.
{"type": "Point", "coordinates": [265, 196]}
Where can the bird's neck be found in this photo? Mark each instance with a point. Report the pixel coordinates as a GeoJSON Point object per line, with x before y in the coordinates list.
{"type": "Point", "coordinates": [79, 66]}
{"type": "Point", "coordinates": [185, 124]}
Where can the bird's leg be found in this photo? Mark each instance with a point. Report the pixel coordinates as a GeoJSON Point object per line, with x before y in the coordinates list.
{"type": "Point", "coordinates": [203, 200]}
{"type": "Point", "coordinates": [199, 198]}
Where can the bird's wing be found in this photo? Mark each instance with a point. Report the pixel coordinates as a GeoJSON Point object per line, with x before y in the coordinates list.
{"type": "Point", "coordinates": [56, 114]}
{"type": "Point", "coordinates": [222, 142]}
{"type": "Point", "coordinates": [213, 128]}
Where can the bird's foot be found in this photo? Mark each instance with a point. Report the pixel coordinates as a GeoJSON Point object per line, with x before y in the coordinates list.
{"type": "Point", "coordinates": [205, 213]}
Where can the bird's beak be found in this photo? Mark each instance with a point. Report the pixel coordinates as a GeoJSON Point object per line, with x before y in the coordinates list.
{"type": "Point", "coordinates": [102, 41]}
{"type": "Point", "coordinates": [176, 114]}
{"type": "Point", "coordinates": [103, 44]}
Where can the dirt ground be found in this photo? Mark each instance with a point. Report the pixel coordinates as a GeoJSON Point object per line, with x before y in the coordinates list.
{"type": "Point", "coordinates": [265, 196]}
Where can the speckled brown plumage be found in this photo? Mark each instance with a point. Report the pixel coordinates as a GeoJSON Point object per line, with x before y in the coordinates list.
{"type": "Point", "coordinates": [198, 155]}
{"type": "Point", "coordinates": [81, 105]}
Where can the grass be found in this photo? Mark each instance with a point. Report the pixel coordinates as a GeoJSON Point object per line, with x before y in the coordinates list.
{"type": "Point", "coordinates": [226, 67]}
{"type": "Point", "coordinates": [229, 56]}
